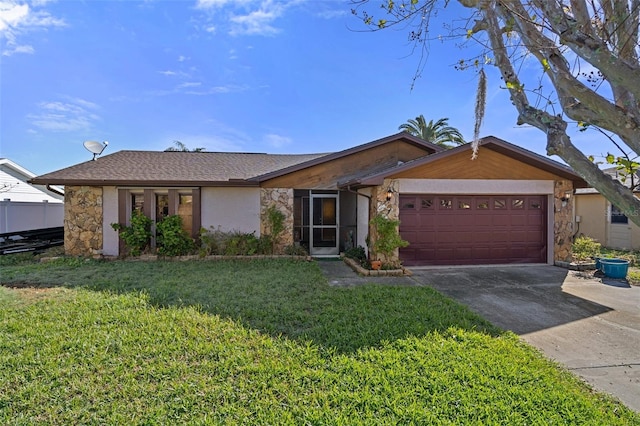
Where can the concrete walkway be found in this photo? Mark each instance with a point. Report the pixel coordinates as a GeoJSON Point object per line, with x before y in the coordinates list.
{"type": "Point", "coordinates": [590, 325]}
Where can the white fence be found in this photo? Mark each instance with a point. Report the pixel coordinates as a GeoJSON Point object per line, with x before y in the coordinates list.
{"type": "Point", "coordinates": [22, 216]}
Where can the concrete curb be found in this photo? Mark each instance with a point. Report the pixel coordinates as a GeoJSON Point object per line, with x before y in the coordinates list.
{"type": "Point", "coordinates": [379, 273]}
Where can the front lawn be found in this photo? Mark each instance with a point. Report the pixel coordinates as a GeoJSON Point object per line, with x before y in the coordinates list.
{"type": "Point", "coordinates": [262, 342]}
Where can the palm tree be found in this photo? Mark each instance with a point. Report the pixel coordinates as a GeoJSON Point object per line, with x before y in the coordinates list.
{"type": "Point", "coordinates": [179, 146]}
{"type": "Point", "coordinates": [439, 133]}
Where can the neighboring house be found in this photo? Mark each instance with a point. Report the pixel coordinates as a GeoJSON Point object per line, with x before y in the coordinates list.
{"type": "Point", "coordinates": [25, 206]}
{"type": "Point", "coordinates": [597, 218]}
{"type": "Point", "coordinates": [503, 207]}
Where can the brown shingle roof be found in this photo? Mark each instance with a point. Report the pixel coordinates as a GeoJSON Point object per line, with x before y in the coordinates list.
{"type": "Point", "coordinates": [173, 168]}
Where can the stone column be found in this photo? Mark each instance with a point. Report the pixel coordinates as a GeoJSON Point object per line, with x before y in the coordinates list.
{"type": "Point", "coordinates": [83, 219]}
{"type": "Point", "coordinates": [388, 208]}
{"type": "Point", "coordinates": [282, 199]}
{"type": "Point", "coordinates": [563, 221]}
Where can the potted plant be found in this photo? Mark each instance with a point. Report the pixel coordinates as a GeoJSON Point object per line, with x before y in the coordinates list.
{"type": "Point", "coordinates": [387, 239]}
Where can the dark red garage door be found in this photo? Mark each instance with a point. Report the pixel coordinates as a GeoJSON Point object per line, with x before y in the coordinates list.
{"type": "Point", "coordinates": [467, 230]}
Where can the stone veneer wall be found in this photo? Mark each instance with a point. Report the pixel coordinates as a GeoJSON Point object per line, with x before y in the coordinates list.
{"type": "Point", "coordinates": [563, 221]}
{"type": "Point", "coordinates": [83, 220]}
{"type": "Point", "coordinates": [282, 198]}
{"type": "Point", "coordinates": [388, 208]}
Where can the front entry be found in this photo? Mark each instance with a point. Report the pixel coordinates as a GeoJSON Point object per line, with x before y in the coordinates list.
{"type": "Point", "coordinates": [324, 216]}
{"type": "Point", "coordinates": [317, 221]}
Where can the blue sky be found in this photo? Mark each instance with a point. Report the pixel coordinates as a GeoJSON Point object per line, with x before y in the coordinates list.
{"type": "Point", "coordinates": [288, 76]}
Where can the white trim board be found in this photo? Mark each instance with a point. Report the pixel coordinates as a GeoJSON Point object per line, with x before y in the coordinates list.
{"type": "Point", "coordinates": [475, 186]}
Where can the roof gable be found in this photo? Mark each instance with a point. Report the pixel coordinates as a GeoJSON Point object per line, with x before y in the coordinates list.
{"type": "Point", "coordinates": [448, 165]}
{"type": "Point", "coordinates": [423, 146]}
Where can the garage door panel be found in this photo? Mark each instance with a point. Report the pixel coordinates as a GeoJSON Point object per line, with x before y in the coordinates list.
{"type": "Point", "coordinates": [519, 220]}
{"type": "Point", "coordinates": [454, 229]}
{"type": "Point", "coordinates": [534, 220]}
{"type": "Point", "coordinates": [501, 220]}
{"type": "Point", "coordinates": [482, 220]}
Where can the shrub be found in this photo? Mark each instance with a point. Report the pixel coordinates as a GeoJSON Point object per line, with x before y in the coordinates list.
{"type": "Point", "coordinates": [585, 248]}
{"type": "Point", "coordinates": [233, 243]}
{"type": "Point", "coordinates": [634, 277]}
{"type": "Point", "coordinates": [137, 236]}
{"type": "Point", "coordinates": [387, 236]}
{"type": "Point", "coordinates": [359, 255]}
{"type": "Point", "coordinates": [171, 238]}
{"type": "Point", "coordinates": [275, 225]}
{"type": "Point", "coordinates": [241, 244]}
{"type": "Point", "coordinates": [295, 250]}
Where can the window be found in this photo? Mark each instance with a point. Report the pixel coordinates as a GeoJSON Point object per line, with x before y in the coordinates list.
{"type": "Point", "coordinates": [446, 203]}
{"type": "Point", "coordinates": [185, 211]}
{"type": "Point", "coordinates": [535, 205]}
{"type": "Point", "coordinates": [408, 205]}
{"type": "Point", "coordinates": [186, 199]}
{"type": "Point", "coordinates": [499, 203]}
{"type": "Point", "coordinates": [617, 216]}
{"type": "Point", "coordinates": [517, 203]}
{"type": "Point", "coordinates": [482, 204]}
{"type": "Point", "coordinates": [427, 203]}
{"type": "Point", "coordinates": [162, 206]}
{"type": "Point", "coordinates": [137, 202]}
{"type": "Point", "coordinates": [464, 204]}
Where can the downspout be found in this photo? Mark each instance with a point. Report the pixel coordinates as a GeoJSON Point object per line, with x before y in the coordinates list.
{"type": "Point", "coordinates": [357, 193]}
{"type": "Point", "coordinates": [368, 209]}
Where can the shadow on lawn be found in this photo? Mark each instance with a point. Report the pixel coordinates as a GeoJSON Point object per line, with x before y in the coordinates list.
{"type": "Point", "coordinates": [279, 297]}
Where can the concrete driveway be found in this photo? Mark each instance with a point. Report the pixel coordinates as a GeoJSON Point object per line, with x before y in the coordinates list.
{"type": "Point", "coordinates": [592, 326]}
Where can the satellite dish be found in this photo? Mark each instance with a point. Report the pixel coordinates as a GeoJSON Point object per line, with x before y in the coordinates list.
{"type": "Point", "coordinates": [95, 148]}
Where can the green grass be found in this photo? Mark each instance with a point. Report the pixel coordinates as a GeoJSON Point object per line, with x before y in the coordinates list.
{"type": "Point", "coordinates": [262, 342]}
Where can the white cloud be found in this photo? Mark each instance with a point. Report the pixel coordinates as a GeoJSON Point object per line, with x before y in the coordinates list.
{"type": "Point", "coordinates": [70, 115]}
{"type": "Point", "coordinates": [12, 15]}
{"type": "Point", "coordinates": [246, 17]}
{"type": "Point", "coordinates": [18, 20]}
{"type": "Point", "coordinates": [24, 48]}
{"type": "Point", "coordinates": [197, 89]}
{"type": "Point", "coordinates": [208, 4]}
{"type": "Point", "coordinates": [189, 84]}
{"type": "Point", "coordinates": [277, 141]}
{"type": "Point", "coordinates": [214, 90]}
{"type": "Point", "coordinates": [257, 22]}
{"type": "Point", "coordinates": [332, 14]}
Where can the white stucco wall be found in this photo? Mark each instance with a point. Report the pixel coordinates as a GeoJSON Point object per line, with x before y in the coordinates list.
{"type": "Point", "coordinates": [475, 186]}
{"type": "Point", "coordinates": [231, 209]}
{"type": "Point", "coordinates": [110, 215]}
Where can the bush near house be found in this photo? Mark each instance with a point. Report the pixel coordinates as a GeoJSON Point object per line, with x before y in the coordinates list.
{"type": "Point", "coordinates": [359, 255]}
{"type": "Point", "coordinates": [585, 248]}
{"type": "Point", "coordinates": [136, 236]}
{"type": "Point", "coordinates": [172, 239]}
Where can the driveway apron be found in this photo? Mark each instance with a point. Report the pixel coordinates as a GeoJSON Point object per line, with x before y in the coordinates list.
{"type": "Point", "coordinates": [590, 325]}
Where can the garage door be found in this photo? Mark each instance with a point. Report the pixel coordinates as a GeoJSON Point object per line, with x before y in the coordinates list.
{"type": "Point", "coordinates": [468, 230]}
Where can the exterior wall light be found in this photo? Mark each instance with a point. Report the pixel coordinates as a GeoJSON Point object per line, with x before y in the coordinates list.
{"type": "Point", "coordinates": [389, 194]}
{"type": "Point", "coordinates": [565, 198]}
